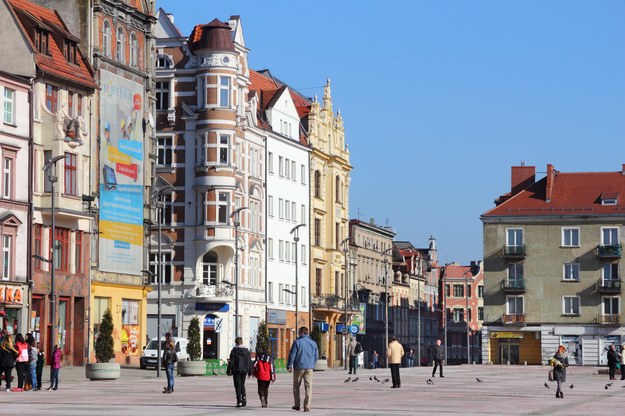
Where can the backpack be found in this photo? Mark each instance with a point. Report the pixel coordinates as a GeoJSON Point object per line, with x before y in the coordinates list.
{"type": "Point", "coordinates": [358, 348]}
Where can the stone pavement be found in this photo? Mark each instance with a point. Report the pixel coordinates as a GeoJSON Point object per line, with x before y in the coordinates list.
{"type": "Point", "coordinates": [505, 390]}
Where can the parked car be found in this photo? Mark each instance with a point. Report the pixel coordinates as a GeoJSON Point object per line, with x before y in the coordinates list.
{"type": "Point", "coordinates": [149, 355]}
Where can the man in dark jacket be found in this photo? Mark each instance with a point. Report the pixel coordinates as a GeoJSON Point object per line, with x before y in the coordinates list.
{"type": "Point", "coordinates": [612, 360]}
{"type": "Point", "coordinates": [240, 366]}
{"type": "Point", "coordinates": [438, 356]}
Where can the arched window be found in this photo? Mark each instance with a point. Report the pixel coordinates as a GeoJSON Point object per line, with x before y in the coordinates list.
{"type": "Point", "coordinates": [337, 190]}
{"type": "Point", "coordinates": [106, 39]}
{"type": "Point", "coordinates": [120, 45]}
{"type": "Point", "coordinates": [209, 269]}
{"type": "Point", "coordinates": [134, 50]}
{"type": "Point", "coordinates": [163, 61]}
{"type": "Point", "coordinates": [317, 184]}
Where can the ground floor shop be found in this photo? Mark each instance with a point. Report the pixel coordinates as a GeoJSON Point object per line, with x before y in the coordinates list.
{"type": "Point", "coordinates": [14, 317]}
{"type": "Point", "coordinates": [586, 345]}
{"type": "Point", "coordinates": [333, 333]}
{"type": "Point", "coordinates": [283, 331]}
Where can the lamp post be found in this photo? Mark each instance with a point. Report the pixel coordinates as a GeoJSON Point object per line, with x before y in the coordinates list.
{"type": "Point", "coordinates": [346, 251]}
{"type": "Point", "coordinates": [236, 222]}
{"type": "Point", "coordinates": [157, 198]}
{"type": "Point", "coordinates": [52, 178]}
{"type": "Point", "coordinates": [466, 296]}
{"type": "Point", "coordinates": [295, 232]}
{"type": "Point", "coordinates": [384, 253]}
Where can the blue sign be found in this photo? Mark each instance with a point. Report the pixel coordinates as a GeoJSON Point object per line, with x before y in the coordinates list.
{"type": "Point", "coordinates": [353, 329]}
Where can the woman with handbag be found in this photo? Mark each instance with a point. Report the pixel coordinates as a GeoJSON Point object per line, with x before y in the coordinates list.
{"type": "Point", "coordinates": [559, 362]}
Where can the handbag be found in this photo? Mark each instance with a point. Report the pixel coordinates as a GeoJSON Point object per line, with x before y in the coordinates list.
{"type": "Point", "coordinates": [550, 375]}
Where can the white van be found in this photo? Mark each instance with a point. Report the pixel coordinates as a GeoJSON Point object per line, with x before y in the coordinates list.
{"type": "Point", "coordinates": [149, 359]}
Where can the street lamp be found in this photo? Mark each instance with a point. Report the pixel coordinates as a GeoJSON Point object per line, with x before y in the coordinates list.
{"type": "Point", "coordinates": [236, 222]}
{"type": "Point", "coordinates": [157, 198]}
{"type": "Point", "coordinates": [52, 178]}
{"type": "Point", "coordinates": [466, 296]}
{"type": "Point", "coordinates": [295, 232]}
{"type": "Point", "coordinates": [346, 251]}
{"type": "Point", "coordinates": [384, 253]}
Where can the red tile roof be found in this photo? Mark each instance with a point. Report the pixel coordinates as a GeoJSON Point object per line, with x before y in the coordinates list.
{"type": "Point", "coordinates": [569, 194]}
{"type": "Point", "coordinates": [54, 64]}
{"type": "Point", "coordinates": [455, 271]}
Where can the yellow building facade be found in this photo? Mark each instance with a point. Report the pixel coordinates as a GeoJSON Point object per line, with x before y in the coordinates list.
{"type": "Point", "coordinates": [329, 220]}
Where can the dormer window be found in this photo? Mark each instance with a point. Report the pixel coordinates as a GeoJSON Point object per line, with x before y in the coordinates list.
{"type": "Point", "coordinates": [42, 41]}
{"type": "Point", "coordinates": [70, 51]}
{"type": "Point", "coordinates": [609, 198]}
{"type": "Point", "coordinates": [163, 62]}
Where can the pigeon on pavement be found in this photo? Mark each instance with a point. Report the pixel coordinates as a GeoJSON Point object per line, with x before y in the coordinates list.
{"type": "Point", "coordinates": [571, 386]}
{"type": "Point", "coordinates": [370, 378]}
{"type": "Point", "coordinates": [347, 381]}
{"type": "Point", "coordinates": [355, 380]}
{"type": "Point", "coordinates": [375, 378]}
{"type": "Point", "coordinates": [429, 381]}
{"type": "Point", "coordinates": [547, 386]}
{"type": "Point", "coordinates": [478, 380]}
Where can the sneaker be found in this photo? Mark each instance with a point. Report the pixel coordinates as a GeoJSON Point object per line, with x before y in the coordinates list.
{"type": "Point", "coordinates": [7, 390]}
{"type": "Point", "coordinates": [244, 403]}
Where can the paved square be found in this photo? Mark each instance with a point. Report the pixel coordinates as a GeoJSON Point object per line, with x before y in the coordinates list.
{"type": "Point", "coordinates": [505, 390]}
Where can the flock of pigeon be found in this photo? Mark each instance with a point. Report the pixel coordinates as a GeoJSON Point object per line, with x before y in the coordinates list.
{"type": "Point", "coordinates": [372, 378]}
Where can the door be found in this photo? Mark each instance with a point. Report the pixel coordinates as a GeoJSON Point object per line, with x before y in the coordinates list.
{"type": "Point", "coordinates": [508, 352]}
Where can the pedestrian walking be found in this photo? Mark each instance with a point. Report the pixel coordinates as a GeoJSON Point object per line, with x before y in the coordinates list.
{"type": "Point", "coordinates": [394, 354]}
{"type": "Point", "coordinates": [32, 364]}
{"type": "Point", "coordinates": [353, 350]}
{"type": "Point", "coordinates": [612, 360]}
{"type": "Point", "coordinates": [410, 358]}
{"type": "Point", "coordinates": [8, 355]}
{"type": "Point", "coordinates": [240, 366]}
{"type": "Point", "coordinates": [375, 358]}
{"type": "Point", "coordinates": [265, 374]}
{"type": "Point", "coordinates": [438, 355]}
{"type": "Point", "coordinates": [55, 365]}
{"type": "Point", "coordinates": [559, 362]}
{"type": "Point", "coordinates": [169, 361]}
{"type": "Point", "coordinates": [302, 358]}
{"type": "Point", "coordinates": [21, 364]}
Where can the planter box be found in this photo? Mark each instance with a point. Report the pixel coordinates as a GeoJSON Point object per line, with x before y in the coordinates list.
{"type": "Point", "coordinates": [191, 368]}
{"type": "Point", "coordinates": [102, 371]}
{"type": "Point", "coordinates": [321, 365]}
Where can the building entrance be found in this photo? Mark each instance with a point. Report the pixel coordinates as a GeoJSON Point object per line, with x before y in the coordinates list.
{"type": "Point", "coordinates": [508, 352]}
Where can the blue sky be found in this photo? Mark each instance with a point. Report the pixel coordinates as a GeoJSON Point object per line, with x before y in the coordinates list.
{"type": "Point", "coordinates": [440, 98]}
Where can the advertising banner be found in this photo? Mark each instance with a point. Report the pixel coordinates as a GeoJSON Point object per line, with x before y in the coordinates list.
{"type": "Point", "coordinates": [121, 175]}
{"type": "Point", "coordinates": [360, 319]}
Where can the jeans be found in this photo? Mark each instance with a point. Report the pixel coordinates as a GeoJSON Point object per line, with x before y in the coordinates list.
{"type": "Point", "coordinates": [54, 378]}
{"type": "Point", "coordinates": [239, 386]}
{"type": "Point", "coordinates": [21, 367]}
{"type": "Point", "coordinates": [353, 363]}
{"type": "Point", "coordinates": [298, 377]}
{"type": "Point", "coordinates": [169, 370]}
{"type": "Point", "coordinates": [263, 389]}
{"type": "Point", "coordinates": [395, 374]}
{"type": "Point", "coordinates": [437, 363]}
{"type": "Point", "coordinates": [33, 375]}
{"type": "Point", "coordinates": [410, 362]}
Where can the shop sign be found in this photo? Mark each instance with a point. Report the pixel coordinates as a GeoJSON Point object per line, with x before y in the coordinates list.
{"type": "Point", "coordinates": [506, 335]}
{"type": "Point", "coordinates": [11, 295]}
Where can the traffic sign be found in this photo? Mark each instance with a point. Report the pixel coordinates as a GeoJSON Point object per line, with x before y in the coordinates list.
{"type": "Point", "coordinates": [353, 329]}
{"type": "Point", "coordinates": [218, 324]}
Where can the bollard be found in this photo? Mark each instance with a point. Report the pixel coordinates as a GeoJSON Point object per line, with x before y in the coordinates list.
{"type": "Point", "coordinates": [525, 362]}
{"type": "Point", "coordinates": [508, 362]}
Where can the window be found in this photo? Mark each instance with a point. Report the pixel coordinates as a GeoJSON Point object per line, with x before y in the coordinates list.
{"type": "Point", "coordinates": [458, 291]}
{"type": "Point", "coordinates": [293, 171]}
{"type": "Point", "coordinates": [163, 62]}
{"type": "Point", "coordinates": [78, 104]}
{"type": "Point", "coordinates": [209, 269]}
{"type": "Point", "coordinates": [293, 211]}
{"type": "Point", "coordinates": [514, 305]}
{"type": "Point", "coordinates": [224, 149]}
{"type": "Point", "coordinates": [270, 162]}
{"type": "Point", "coordinates": [480, 313]}
{"type": "Point", "coordinates": [302, 174]}
{"type": "Point", "coordinates": [448, 291]}
{"type": "Point", "coordinates": [281, 208]}
{"type": "Point", "coordinates": [167, 211]}
{"type": "Point", "coordinates": [304, 215]}
{"type": "Point", "coordinates": [106, 39]}
{"type": "Point", "coordinates": [280, 293]}
{"type": "Point", "coordinates": [7, 249]}
{"type": "Point", "coordinates": [52, 95]}
{"type": "Point", "coordinates": [287, 168]}
{"type": "Point", "coordinates": [337, 235]}
{"type": "Point", "coordinates": [515, 272]}
{"type": "Point", "coordinates": [337, 284]}
{"type": "Point", "coordinates": [515, 237]}
{"type": "Point", "coordinates": [130, 312]}
{"type": "Point", "coordinates": [317, 184]}
{"type": "Point", "coordinates": [281, 250]}
{"type": "Point", "coordinates": [38, 233]}
{"type": "Point", "coordinates": [120, 45]}
{"type": "Point", "coordinates": [280, 166]}
{"type": "Point", "coordinates": [270, 205]}
{"type": "Point", "coordinates": [480, 292]}
{"type": "Point", "coordinates": [610, 271]}
{"type": "Point", "coordinates": [570, 305]}
{"type": "Point", "coordinates": [318, 282]}
{"type": "Point", "coordinates": [287, 251]}
{"type": "Point", "coordinates": [270, 292]}
{"type": "Point", "coordinates": [164, 151]}
{"type": "Point", "coordinates": [303, 296]}
{"type": "Point", "coordinates": [165, 263]}
{"type": "Point", "coordinates": [42, 41]}
{"type": "Point", "coordinates": [9, 106]}
{"type": "Point", "coordinates": [609, 236]}
{"type": "Point", "coordinates": [570, 237]}
{"type": "Point", "coordinates": [287, 210]}
{"type": "Point", "coordinates": [7, 175]}
{"type": "Point", "coordinates": [61, 257]}
{"type": "Point", "coordinates": [317, 232]}
{"type": "Point", "coordinates": [224, 92]}
{"type": "Point", "coordinates": [468, 291]}
{"type": "Point", "coordinates": [134, 50]}
{"type": "Point", "coordinates": [78, 252]}
{"type": "Point", "coordinates": [222, 208]}
{"type": "Point", "coordinates": [71, 178]}
{"type": "Point", "coordinates": [458, 315]}
{"type": "Point", "coordinates": [303, 256]}
{"type": "Point", "coordinates": [610, 305]}
{"type": "Point", "coordinates": [70, 52]}
{"type": "Point", "coordinates": [162, 95]}
{"type": "Point", "coordinates": [270, 248]}
{"type": "Point", "coordinates": [337, 190]}
{"type": "Point", "coordinates": [571, 271]}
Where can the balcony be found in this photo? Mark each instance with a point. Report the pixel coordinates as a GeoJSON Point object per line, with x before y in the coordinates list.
{"type": "Point", "coordinates": [331, 301]}
{"type": "Point", "coordinates": [514, 252]}
{"type": "Point", "coordinates": [513, 286]}
{"type": "Point", "coordinates": [609, 251]}
{"type": "Point", "coordinates": [220, 293]}
{"type": "Point", "coordinates": [609, 286]}
{"type": "Point", "coordinates": [514, 319]}
{"type": "Point", "coordinates": [610, 319]}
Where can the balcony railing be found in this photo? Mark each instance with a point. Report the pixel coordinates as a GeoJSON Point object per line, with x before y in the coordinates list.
{"type": "Point", "coordinates": [334, 301]}
{"type": "Point", "coordinates": [609, 286]}
{"type": "Point", "coordinates": [514, 252]}
{"type": "Point", "coordinates": [518, 318]}
{"type": "Point", "coordinates": [218, 291]}
{"type": "Point", "coordinates": [513, 286]}
{"type": "Point", "coordinates": [610, 319]}
{"type": "Point", "coordinates": [609, 251]}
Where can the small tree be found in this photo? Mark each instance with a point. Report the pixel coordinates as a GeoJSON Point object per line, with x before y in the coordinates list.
{"type": "Point", "coordinates": [194, 348]}
{"type": "Point", "coordinates": [262, 339]}
{"type": "Point", "coordinates": [104, 346]}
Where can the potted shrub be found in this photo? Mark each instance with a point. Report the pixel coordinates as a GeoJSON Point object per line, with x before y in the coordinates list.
{"type": "Point", "coordinates": [195, 366]}
{"type": "Point", "coordinates": [103, 369]}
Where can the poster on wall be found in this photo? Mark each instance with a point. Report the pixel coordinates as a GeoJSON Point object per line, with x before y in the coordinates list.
{"type": "Point", "coordinates": [121, 175]}
{"type": "Point", "coordinates": [360, 318]}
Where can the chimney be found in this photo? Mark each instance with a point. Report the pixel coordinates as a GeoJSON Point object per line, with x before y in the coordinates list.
{"type": "Point", "coordinates": [550, 177]}
{"type": "Point", "coordinates": [521, 178]}
{"type": "Point", "coordinates": [623, 170]}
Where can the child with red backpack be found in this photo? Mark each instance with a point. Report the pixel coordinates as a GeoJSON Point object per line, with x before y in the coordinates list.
{"type": "Point", "coordinates": [264, 372]}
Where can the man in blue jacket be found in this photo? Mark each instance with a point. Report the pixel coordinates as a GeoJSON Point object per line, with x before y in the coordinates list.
{"type": "Point", "coordinates": [302, 359]}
